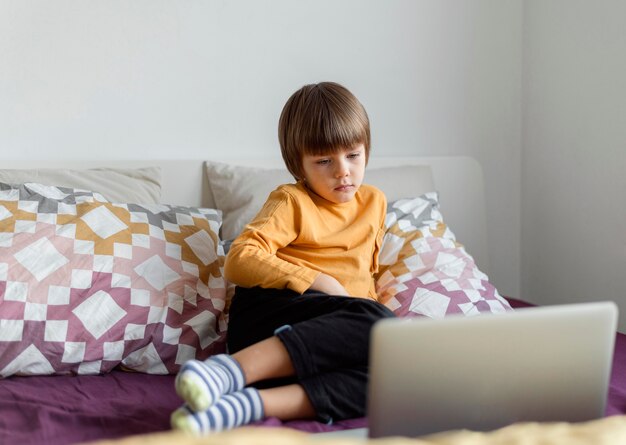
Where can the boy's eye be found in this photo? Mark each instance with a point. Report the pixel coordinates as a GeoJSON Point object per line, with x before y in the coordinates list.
{"type": "Point", "coordinates": [322, 161]}
{"type": "Point", "coordinates": [354, 155]}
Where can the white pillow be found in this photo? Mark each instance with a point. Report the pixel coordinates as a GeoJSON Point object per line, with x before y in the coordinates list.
{"type": "Point", "coordinates": [239, 192]}
{"type": "Point", "coordinates": [139, 185]}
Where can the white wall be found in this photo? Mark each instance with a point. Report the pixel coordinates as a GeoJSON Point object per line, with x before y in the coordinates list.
{"type": "Point", "coordinates": [194, 79]}
{"type": "Point", "coordinates": [574, 155]}
{"type": "Point", "coordinates": [533, 89]}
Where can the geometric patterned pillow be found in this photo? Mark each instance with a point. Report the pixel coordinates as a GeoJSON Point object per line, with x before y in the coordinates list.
{"type": "Point", "coordinates": [87, 285]}
{"type": "Point", "coordinates": [424, 271]}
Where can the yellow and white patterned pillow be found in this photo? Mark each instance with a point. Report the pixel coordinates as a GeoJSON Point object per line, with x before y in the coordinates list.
{"type": "Point", "coordinates": [87, 285]}
{"type": "Point", "coordinates": [424, 271]}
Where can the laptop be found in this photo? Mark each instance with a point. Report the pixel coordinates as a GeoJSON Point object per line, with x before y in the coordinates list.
{"type": "Point", "coordinates": [481, 373]}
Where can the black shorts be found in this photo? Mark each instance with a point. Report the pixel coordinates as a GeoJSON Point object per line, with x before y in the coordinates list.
{"type": "Point", "coordinates": [327, 338]}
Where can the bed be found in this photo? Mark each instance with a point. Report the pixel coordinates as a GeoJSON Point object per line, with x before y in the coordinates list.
{"type": "Point", "coordinates": [92, 332]}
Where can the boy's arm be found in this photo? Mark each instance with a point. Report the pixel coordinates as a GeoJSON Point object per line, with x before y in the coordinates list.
{"type": "Point", "coordinates": [248, 266]}
{"type": "Point", "coordinates": [252, 259]}
{"type": "Point", "coordinates": [329, 285]}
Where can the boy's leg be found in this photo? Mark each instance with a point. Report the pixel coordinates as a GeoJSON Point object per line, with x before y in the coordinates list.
{"type": "Point", "coordinates": [256, 314]}
{"type": "Point", "coordinates": [339, 339]}
{"type": "Point", "coordinates": [338, 395]}
{"type": "Point", "coordinates": [327, 341]}
{"type": "Point", "coordinates": [287, 402]}
{"type": "Point", "coordinates": [328, 332]}
{"type": "Point", "coordinates": [201, 384]}
{"type": "Point", "coordinates": [330, 354]}
{"type": "Point", "coordinates": [267, 359]}
{"type": "Point", "coordinates": [231, 410]}
{"type": "Point", "coordinates": [243, 407]}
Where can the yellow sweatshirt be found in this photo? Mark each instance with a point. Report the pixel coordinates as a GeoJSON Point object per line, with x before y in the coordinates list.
{"type": "Point", "coordinates": [298, 234]}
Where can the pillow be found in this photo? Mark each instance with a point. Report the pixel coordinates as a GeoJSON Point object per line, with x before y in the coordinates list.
{"type": "Point", "coordinates": [87, 285]}
{"type": "Point", "coordinates": [115, 184]}
{"type": "Point", "coordinates": [240, 192]}
{"type": "Point", "coordinates": [424, 271]}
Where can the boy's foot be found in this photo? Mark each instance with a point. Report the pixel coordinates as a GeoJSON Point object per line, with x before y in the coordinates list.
{"type": "Point", "coordinates": [232, 410]}
{"type": "Point", "coordinates": [201, 384]}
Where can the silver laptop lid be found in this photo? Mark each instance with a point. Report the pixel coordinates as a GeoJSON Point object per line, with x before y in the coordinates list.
{"type": "Point", "coordinates": [481, 373]}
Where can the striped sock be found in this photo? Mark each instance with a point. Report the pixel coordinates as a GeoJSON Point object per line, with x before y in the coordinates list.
{"type": "Point", "coordinates": [201, 384]}
{"type": "Point", "coordinates": [232, 410]}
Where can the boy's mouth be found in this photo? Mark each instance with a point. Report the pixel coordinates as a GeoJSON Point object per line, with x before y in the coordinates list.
{"type": "Point", "coordinates": [344, 187]}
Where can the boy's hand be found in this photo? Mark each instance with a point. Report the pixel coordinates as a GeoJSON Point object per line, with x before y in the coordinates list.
{"type": "Point", "coordinates": [329, 285]}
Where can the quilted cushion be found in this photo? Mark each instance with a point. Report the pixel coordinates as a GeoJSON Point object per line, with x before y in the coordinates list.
{"type": "Point", "coordinates": [424, 271]}
{"type": "Point", "coordinates": [87, 285]}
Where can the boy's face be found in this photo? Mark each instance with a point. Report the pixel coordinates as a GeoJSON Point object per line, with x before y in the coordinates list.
{"type": "Point", "coordinates": [336, 176]}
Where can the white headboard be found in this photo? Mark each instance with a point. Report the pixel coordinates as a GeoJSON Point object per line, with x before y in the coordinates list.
{"type": "Point", "coordinates": [459, 181]}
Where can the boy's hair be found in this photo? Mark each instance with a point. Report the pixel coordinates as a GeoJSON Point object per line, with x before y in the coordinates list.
{"type": "Point", "coordinates": [318, 119]}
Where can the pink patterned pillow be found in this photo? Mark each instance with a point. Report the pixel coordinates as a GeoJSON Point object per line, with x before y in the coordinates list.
{"type": "Point", "coordinates": [424, 271]}
{"type": "Point", "coordinates": [87, 285]}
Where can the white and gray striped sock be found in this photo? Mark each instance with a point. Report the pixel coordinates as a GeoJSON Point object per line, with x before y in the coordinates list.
{"type": "Point", "coordinates": [201, 384]}
{"type": "Point", "coordinates": [232, 410]}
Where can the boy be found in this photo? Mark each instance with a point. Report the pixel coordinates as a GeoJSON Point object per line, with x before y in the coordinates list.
{"type": "Point", "coordinates": [295, 324]}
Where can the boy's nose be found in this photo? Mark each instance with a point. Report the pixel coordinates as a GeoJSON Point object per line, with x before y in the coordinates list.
{"type": "Point", "coordinates": [342, 169]}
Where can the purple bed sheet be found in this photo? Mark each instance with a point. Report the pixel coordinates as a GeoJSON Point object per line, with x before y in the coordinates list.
{"type": "Point", "coordinates": [59, 410]}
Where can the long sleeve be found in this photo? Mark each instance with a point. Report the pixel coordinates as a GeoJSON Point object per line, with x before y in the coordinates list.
{"type": "Point", "coordinates": [298, 234]}
{"type": "Point", "coordinates": [253, 259]}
